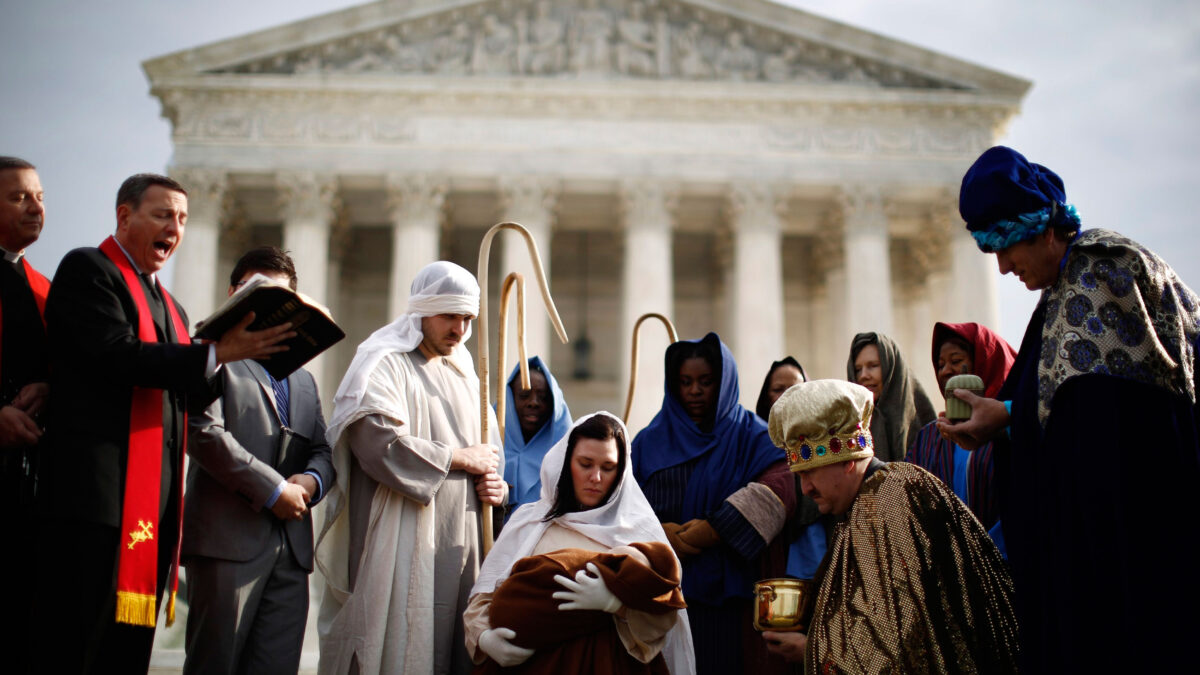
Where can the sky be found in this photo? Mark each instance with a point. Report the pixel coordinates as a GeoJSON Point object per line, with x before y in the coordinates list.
{"type": "Point", "coordinates": [1113, 108]}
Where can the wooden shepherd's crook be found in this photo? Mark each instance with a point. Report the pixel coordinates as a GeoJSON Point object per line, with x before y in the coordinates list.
{"type": "Point", "coordinates": [485, 250]}
{"type": "Point", "coordinates": [633, 359]}
{"type": "Point", "coordinates": [513, 278]}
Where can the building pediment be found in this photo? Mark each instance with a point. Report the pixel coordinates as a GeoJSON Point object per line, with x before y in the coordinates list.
{"type": "Point", "coordinates": [685, 40]}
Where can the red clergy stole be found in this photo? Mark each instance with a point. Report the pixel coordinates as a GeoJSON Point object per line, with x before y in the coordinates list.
{"type": "Point", "coordinates": [137, 566]}
{"type": "Point", "coordinates": [40, 286]}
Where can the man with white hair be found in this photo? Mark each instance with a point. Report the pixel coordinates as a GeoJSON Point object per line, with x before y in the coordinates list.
{"type": "Point", "coordinates": [400, 548]}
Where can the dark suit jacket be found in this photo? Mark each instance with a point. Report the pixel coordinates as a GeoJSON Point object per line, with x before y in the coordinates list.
{"type": "Point", "coordinates": [23, 360]}
{"type": "Point", "coordinates": [238, 460]}
{"type": "Point", "coordinates": [96, 360]}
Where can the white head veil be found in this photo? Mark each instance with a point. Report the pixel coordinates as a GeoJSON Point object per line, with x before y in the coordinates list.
{"type": "Point", "coordinates": [626, 518]}
{"type": "Point", "coordinates": [439, 288]}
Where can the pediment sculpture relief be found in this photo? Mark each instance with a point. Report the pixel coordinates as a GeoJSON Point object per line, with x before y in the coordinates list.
{"type": "Point", "coordinates": [591, 40]}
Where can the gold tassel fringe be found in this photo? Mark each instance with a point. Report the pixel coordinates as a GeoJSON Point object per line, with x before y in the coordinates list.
{"type": "Point", "coordinates": [135, 608]}
{"type": "Point", "coordinates": [171, 610]}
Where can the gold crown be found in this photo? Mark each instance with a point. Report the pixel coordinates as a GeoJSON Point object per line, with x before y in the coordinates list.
{"type": "Point", "coordinates": [801, 451]}
{"type": "Point", "coordinates": [823, 422]}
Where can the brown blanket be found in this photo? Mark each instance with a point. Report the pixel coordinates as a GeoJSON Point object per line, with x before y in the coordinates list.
{"type": "Point", "coordinates": [582, 641]}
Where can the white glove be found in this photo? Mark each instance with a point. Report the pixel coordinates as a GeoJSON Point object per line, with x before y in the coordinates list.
{"type": "Point", "coordinates": [587, 591]}
{"type": "Point", "coordinates": [495, 643]}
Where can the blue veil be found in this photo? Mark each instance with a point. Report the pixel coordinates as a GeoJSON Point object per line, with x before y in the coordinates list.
{"type": "Point", "coordinates": [523, 461]}
{"type": "Point", "coordinates": [727, 458]}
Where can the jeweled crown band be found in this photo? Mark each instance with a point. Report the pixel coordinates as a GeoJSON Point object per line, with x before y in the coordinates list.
{"type": "Point", "coordinates": [804, 452]}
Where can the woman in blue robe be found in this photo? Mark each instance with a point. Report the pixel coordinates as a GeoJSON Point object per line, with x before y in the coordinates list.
{"type": "Point", "coordinates": [699, 462]}
{"type": "Point", "coordinates": [534, 420]}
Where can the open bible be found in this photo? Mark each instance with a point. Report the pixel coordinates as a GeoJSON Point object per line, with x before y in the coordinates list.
{"type": "Point", "coordinates": [274, 303]}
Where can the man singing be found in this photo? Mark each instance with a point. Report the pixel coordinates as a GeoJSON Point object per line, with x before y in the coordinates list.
{"type": "Point", "coordinates": [122, 371]}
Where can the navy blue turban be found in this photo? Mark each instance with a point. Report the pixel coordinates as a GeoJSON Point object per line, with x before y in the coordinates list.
{"type": "Point", "coordinates": [1007, 199]}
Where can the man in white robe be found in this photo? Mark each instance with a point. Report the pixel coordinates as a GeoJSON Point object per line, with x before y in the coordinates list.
{"type": "Point", "coordinates": [401, 545]}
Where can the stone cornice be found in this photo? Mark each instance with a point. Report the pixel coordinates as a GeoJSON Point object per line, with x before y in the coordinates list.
{"type": "Point", "coordinates": [499, 85]}
{"type": "Point", "coordinates": [284, 100]}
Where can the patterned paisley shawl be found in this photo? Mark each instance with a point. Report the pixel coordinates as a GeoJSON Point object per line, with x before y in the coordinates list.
{"type": "Point", "coordinates": [1117, 309]}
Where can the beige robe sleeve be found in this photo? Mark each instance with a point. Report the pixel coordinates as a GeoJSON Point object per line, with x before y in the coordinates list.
{"type": "Point", "coordinates": [475, 621]}
{"type": "Point", "coordinates": [762, 508]}
{"type": "Point", "coordinates": [411, 466]}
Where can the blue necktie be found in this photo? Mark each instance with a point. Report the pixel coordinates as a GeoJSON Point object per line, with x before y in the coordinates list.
{"type": "Point", "coordinates": [281, 398]}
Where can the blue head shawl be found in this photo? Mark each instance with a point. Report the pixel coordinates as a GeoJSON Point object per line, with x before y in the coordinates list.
{"type": "Point", "coordinates": [730, 456]}
{"type": "Point", "coordinates": [523, 461]}
{"type": "Point", "coordinates": [1007, 199]}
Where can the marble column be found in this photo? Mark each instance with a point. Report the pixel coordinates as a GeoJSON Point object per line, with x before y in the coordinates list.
{"type": "Point", "coordinates": [915, 309]}
{"type": "Point", "coordinates": [341, 238]}
{"type": "Point", "coordinates": [198, 283]}
{"type": "Point", "coordinates": [529, 201]}
{"type": "Point", "coordinates": [917, 346]}
{"type": "Point", "coordinates": [308, 202]}
{"type": "Point", "coordinates": [415, 208]}
{"type": "Point", "coordinates": [647, 286]}
{"type": "Point", "coordinates": [935, 239]}
{"type": "Point", "coordinates": [933, 242]}
{"type": "Point", "coordinates": [831, 341]}
{"type": "Point", "coordinates": [868, 289]}
{"type": "Point", "coordinates": [972, 293]}
{"type": "Point", "coordinates": [756, 311]}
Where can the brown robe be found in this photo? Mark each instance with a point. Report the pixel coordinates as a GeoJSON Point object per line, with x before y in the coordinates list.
{"type": "Point", "coordinates": [582, 641]}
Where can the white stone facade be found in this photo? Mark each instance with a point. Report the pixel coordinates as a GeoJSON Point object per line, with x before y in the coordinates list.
{"type": "Point", "coordinates": [735, 164]}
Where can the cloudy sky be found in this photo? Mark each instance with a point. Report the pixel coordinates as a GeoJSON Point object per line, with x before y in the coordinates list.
{"type": "Point", "coordinates": [1113, 109]}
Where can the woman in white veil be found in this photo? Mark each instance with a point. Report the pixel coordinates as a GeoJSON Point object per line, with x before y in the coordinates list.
{"type": "Point", "coordinates": [592, 523]}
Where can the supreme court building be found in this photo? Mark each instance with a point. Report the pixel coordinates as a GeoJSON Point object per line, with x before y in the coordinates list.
{"type": "Point", "coordinates": [737, 165]}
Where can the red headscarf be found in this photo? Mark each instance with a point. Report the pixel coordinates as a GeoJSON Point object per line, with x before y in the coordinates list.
{"type": "Point", "coordinates": [993, 356]}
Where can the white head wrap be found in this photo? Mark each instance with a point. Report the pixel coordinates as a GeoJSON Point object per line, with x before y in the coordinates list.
{"type": "Point", "coordinates": [626, 518]}
{"type": "Point", "coordinates": [439, 288]}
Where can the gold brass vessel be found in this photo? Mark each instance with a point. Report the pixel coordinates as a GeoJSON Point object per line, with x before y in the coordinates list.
{"type": "Point", "coordinates": [783, 604]}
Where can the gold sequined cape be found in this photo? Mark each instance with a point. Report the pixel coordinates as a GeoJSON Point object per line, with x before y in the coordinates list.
{"type": "Point", "coordinates": [911, 584]}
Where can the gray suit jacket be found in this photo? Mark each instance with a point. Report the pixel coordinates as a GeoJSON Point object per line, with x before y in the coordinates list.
{"type": "Point", "coordinates": [239, 457]}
